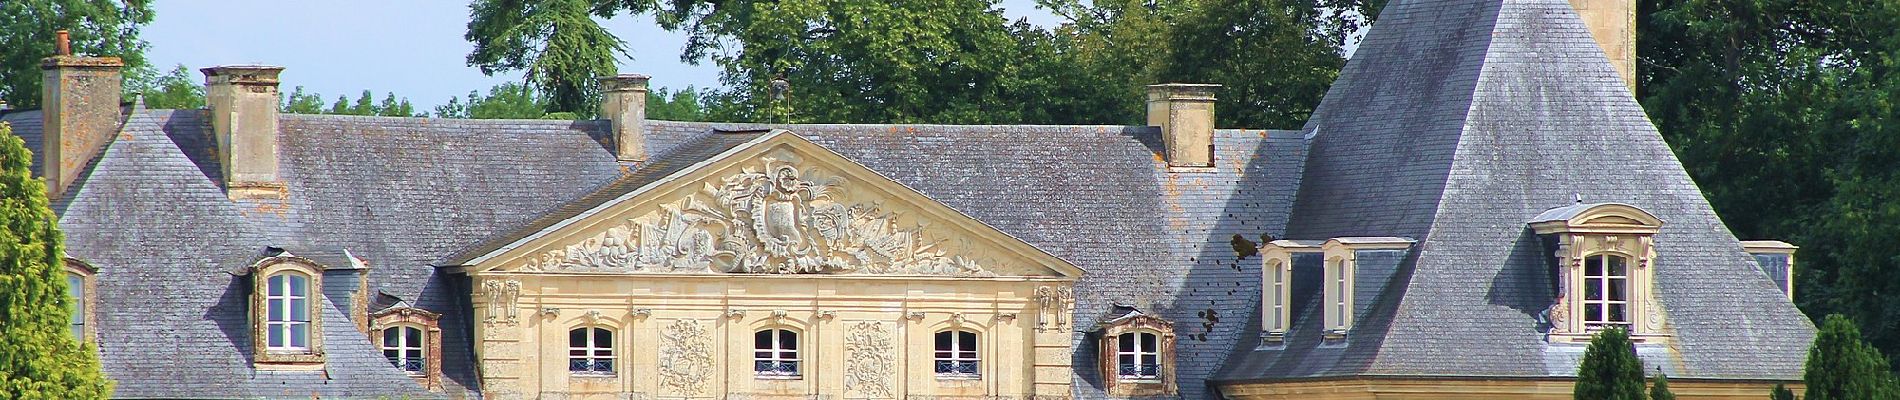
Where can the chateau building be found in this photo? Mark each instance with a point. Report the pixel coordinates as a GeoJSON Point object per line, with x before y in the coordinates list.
{"type": "Point", "coordinates": [1477, 194]}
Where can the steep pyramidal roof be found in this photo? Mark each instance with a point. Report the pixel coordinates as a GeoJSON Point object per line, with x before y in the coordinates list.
{"type": "Point", "coordinates": [1456, 122]}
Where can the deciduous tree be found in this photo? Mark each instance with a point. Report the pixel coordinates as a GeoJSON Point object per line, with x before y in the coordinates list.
{"type": "Point", "coordinates": [97, 27]}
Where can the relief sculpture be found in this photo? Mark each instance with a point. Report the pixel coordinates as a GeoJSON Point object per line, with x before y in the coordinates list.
{"type": "Point", "coordinates": [501, 300]}
{"type": "Point", "coordinates": [770, 218]}
{"type": "Point", "coordinates": [685, 358]}
{"type": "Point", "coordinates": [870, 360]}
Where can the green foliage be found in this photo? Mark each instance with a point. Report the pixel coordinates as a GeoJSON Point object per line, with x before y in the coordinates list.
{"type": "Point", "coordinates": [299, 102]}
{"type": "Point", "coordinates": [1841, 367]}
{"type": "Point", "coordinates": [173, 90]}
{"type": "Point", "coordinates": [556, 42]}
{"type": "Point", "coordinates": [1227, 42]}
{"type": "Point", "coordinates": [97, 27]}
{"type": "Point", "coordinates": [302, 103]}
{"type": "Point", "coordinates": [1781, 393]}
{"type": "Point", "coordinates": [1610, 369]}
{"type": "Point", "coordinates": [1660, 390]}
{"type": "Point", "coordinates": [504, 101]}
{"type": "Point", "coordinates": [1784, 112]}
{"type": "Point", "coordinates": [670, 105]}
{"type": "Point", "coordinates": [39, 357]}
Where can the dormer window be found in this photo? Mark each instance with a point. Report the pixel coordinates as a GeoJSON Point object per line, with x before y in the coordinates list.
{"type": "Point", "coordinates": [1137, 354]}
{"type": "Point", "coordinates": [286, 311]}
{"type": "Point", "coordinates": [1342, 277]}
{"type": "Point", "coordinates": [1277, 306]}
{"type": "Point", "coordinates": [79, 287]}
{"type": "Point", "coordinates": [411, 339]}
{"type": "Point", "coordinates": [1776, 259]}
{"type": "Point", "coordinates": [1603, 263]}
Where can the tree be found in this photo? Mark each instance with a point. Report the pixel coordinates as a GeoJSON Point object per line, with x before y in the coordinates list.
{"type": "Point", "coordinates": [302, 103]}
{"type": "Point", "coordinates": [1660, 391]}
{"type": "Point", "coordinates": [1610, 369]}
{"type": "Point", "coordinates": [680, 105]}
{"type": "Point", "coordinates": [98, 27]}
{"type": "Point", "coordinates": [1270, 56]}
{"type": "Point", "coordinates": [1781, 393]}
{"type": "Point", "coordinates": [504, 101]}
{"type": "Point", "coordinates": [556, 42]}
{"type": "Point", "coordinates": [39, 357]}
{"type": "Point", "coordinates": [299, 102]}
{"type": "Point", "coordinates": [173, 90]}
{"type": "Point", "coordinates": [1841, 367]}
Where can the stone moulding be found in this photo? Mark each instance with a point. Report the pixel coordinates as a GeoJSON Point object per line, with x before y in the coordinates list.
{"type": "Point", "coordinates": [772, 217]}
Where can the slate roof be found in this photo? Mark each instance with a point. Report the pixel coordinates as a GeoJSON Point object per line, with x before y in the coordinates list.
{"type": "Point", "coordinates": [1456, 122]}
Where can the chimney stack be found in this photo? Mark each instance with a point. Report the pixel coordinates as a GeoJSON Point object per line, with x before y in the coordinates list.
{"type": "Point", "coordinates": [624, 103]}
{"type": "Point", "coordinates": [243, 103]}
{"type": "Point", "coordinates": [79, 102]}
{"type": "Point", "coordinates": [1613, 24]}
{"type": "Point", "coordinates": [1185, 113]}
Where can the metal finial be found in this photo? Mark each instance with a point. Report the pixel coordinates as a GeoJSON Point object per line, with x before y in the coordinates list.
{"type": "Point", "coordinates": [1579, 198]}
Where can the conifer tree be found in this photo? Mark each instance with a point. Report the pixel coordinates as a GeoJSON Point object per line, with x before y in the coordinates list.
{"type": "Point", "coordinates": [1842, 367]}
{"type": "Point", "coordinates": [1781, 393]}
{"type": "Point", "coordinates": [39, 357]}
{"type": "Point", "coordinates": [1610, 369]}
{"type": "Point", "coordinates": [1660, 391]}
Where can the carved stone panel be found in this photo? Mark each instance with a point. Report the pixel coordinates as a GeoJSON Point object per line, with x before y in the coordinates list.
{"type": "Point", "coordinates": [870, 360]}
{"type": "Point", "coordinates": [773, 216]}
{"type": "Point", "coordinates": [501, 296]}
{"type": "Point", "coordinates": [686, 361]}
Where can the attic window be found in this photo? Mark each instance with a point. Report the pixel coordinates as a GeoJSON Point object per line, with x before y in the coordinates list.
{"type": "Point", "coordinates": [1605, 255]}
{"type": "Point", "coordinates": [286, 311]}
{"type": "Point", "coordinates": [1342, 278]}
{"type": "Point", "coordinates": [411, 339]}
{"type": "Point", "coordinates": [1277, 287]}
{"type": "Point", "coordinates": [1137, 354]}
{"type": "Point", "coordinates": [80, 287]}
{"type": "Point", "coordinates": [1776, 259]}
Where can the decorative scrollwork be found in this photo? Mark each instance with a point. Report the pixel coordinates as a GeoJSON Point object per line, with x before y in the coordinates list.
{"type": "Point", "coordinates": [685, 358]}
{"type": "Point", "coordinates": [870, 360]}
{"type": "Point", "coordinates": [773, 218]}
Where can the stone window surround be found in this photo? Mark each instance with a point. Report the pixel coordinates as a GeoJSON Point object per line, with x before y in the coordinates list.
{"type": "Point", "coordinates": [1164, 383]}
{"type": "Point", "coordinates": [956, 351]}
{"type": "Point", "coordinates": [777, 352]}
{"type": "Point", "coordinates": [1341, 258]}
{"type": "Point", "coordinates": [1277, 256]}
{"type": "Point", "coordinates": [260, 273]}
{"type": "Point", "coordinates": [1591, 230]}
{"type": "Point", "coordinates": [1775, 247]}
{"type": "Point", "coordinates": [403, 316]}
{"type": "Point", "coordinates": [593, 353]}
{"type": "Point", "coordinates": [90, 303]}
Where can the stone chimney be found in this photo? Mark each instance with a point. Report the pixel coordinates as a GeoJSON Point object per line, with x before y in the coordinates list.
{"type": "Point", "coordinates": [1613, 23]}
{"type": "Point", "coordinates": [1185, 113]}
{"type": "Point", "coordinates": [243, 103]}
{"type": "Point", "coordinates": [79, 101]}
{"type": "Point", "coordinates": [624, 103]}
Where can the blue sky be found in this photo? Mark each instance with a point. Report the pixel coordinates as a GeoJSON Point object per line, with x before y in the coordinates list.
{"type": "Point", "coordinates": [412, 48]}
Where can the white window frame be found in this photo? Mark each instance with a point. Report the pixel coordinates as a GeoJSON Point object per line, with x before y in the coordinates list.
{"type": "Point", "coordinates": [403, 347]}
{"type": "Point", "coordinates": [279, 311]}
{"type": "Point", "coordinates": [590, 352]}
{"type": "Point", "coordinates": [76, 289]}
{"type": "Point", "coordinates": [1276, 322]}
{"type": "Point", "coordinates": [958, 355]}
{"type": "Point", "coordinates": [1602, 282]}
{"type": "Point", "coordinates": [771, 361]}
{"type": "Point", "coordinates": [1132, 348]}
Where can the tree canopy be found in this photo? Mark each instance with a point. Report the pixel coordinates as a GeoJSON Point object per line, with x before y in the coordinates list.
{"type": "Point", "coordinates": [1841, 367]}
{"type": "Point", "coordinates": [1610, 369]}
{"type": "Point", "coordinates": [97, 27]}
{"type": "Point", "coordinates": [39, 356]}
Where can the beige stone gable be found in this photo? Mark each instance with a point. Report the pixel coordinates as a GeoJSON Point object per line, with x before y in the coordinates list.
{"type": "Point", "coordinates": [777, 205]}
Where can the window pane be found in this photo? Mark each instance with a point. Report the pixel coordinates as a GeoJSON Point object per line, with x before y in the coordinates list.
{"type": "Point", "coordinates": [578, 352]}
{"type": "Point", "coordinates": [276, 285]}
{"type": "Point", "coordinates": [968, 341]}
{"type": "Point", "coordinates": [1593, 289]}
{"type": "Point", "coordinates": [297, 284]}
{"type": "Point", "coordinates": [943, 355]}
{"type": "Point", "coordinates": [1616, 313]}
{"type": "Point", "coordinates": [392, 355]}
{"type": "Point", "coordinates": [275, 333]}
{"type": "Point", "coordinates": [1126, 342]}
{"type": "Point", "coordinates": [762, 354]}
{"type": "Point", "coordinates": [1150, 359]}
{"type": "Point", "coordinates": [1125, 359]}
{"type": "Point", "coordinates": [1148, 342]}
{"type": "Point", "coordinates": [762, 339]}
{"type": "Point", "coordinates": [276, 310]}
{"type": "Point", "coordinates": [391, 338]}
{"type": "Point", "coordinates": [415, 337]}
{"type": "Point", "coordinates": [603, 339]}
{"type": "Point", "coordinates": [787, 340]}
{"type": "Point", "coordinates": [1593, 266]}
{"type": "Point", "coordinates": [1619, 289]}
{"type": "Point", "coordinates": [1618, 266]}
{"type": "Point", "coordinates": [943, 341]}
{"type": "Point", "coordinates": [414, 354]}
{"type": "Point", "coordinates": [299, 335]}
{"type": "Point", "coordinates": [299, 310]}
{"type": "Point", "coordinates": [577, 338]}
{"type": "Point", "coordinates": [1593, 312]}
{"type": "Point", "coordinates": [79, 330]}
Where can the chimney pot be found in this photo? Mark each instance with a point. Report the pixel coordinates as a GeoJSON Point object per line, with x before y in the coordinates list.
{"type": "Point", "coordinates": [1185, 113]}
{"type": "Point", "coordinates": [624, 103]}
{"type": "Point", "coordinates": [62, 42]}
{"type": "Point", "coordinates": [79, 102]}
{"type": "Point", "coordinates": [243, 104]}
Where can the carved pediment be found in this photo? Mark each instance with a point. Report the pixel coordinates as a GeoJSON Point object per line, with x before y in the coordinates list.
{"type": "Point", "coordinates": [789, 207]}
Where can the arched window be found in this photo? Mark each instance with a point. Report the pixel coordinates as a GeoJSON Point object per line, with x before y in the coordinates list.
{"type": "Point", "coordinates": [775, 353]}
{"type": "Point", "coordinates": [956, 354]}
{"type": "Point", "coordinates": [1138, 356]}
{"type": "Point", "coordinates": [590, 351]}
{"type": "Point", "coordinates": [403, 346]}
{"type": "Point", "coordinates": [1606, 292]}
{"type": "Point", "coordinates": [76, 288]}
{"type": "Point", "coordinates": [287, 312]}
